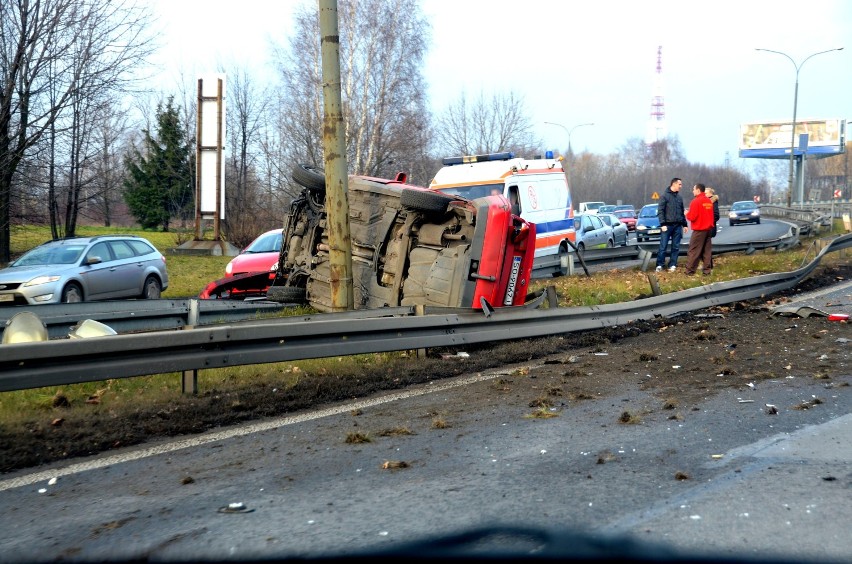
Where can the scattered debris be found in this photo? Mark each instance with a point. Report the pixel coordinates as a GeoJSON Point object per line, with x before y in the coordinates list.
{"type": "Point", "coordinates": [52, 481]}
{"type": "Point", "coordinates": [799, 311]}
{"type": "Point", "coordinates": [838, 317]}
{"type": "Point", "coordinates": [235, 508]}
{"type": "Point", "coordinates": [681, 476]}
{"type": "Point", "coordinates": [744, 401]}
{"type": "Point", "coordinates": [357, 438]}
{"type": "Point", "coordinates": [829, 479]}
{"type": "Point", "coordinates": [57, 422]}
{"type": "Point", "coordinates": [394, 465]}
{"type": "Point", "coordinates": [771, 409]}
{"type": "Point", "coordinates": [395, 432]}
{"type": "Point", "coordinates": [458, 355]}
{"type": "Point", "coordinates": [541, 413]}
{"type": "Point", "coordinates": [187, 480]}
{"type": "Point", "coordinates": [807, 404]}
{"type": "Point", "coordinates": [751, 385]}
{"type": "Point", "coordinates": [440, 423]}
{"type": "Point", "coordinates": [629, 418]}
{"type": "Point", "coordinates": [842, 340]}
{"type": "Point", "coordinates": [717, 456]}
{"type": "Point", "coordinates": [606, 456]}
{"type": "Point", "coordinates": [356, 412]}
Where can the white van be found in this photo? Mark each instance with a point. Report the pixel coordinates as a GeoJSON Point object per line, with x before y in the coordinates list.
{"type": "Point", "coordinates": [536, 189]}
{"type": "Point", "coordinates": [590, 207]}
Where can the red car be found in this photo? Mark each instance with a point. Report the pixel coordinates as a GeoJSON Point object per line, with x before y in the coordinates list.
{"type": "Point", "coordinates": [410, 246]}
{"type": "Point", "coordinates": [627, 217]}
{"type": "Point", "coordinates": [260, 256]}
{"type": "Point", "coordinates": [244, 275]}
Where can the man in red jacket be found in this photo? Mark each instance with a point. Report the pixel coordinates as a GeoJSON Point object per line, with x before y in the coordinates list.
{"type": "Point", "coordinates": [700, 216]}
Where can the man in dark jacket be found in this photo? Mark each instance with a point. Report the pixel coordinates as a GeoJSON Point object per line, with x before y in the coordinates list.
{"type": "Point", "coordinates": [670, 212]}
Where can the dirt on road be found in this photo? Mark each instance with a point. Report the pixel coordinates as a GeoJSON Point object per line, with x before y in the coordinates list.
{"type": "Point", "coordinates": [678, 360]}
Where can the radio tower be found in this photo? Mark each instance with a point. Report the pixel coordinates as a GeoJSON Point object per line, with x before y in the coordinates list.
{"type": "Point", "coordinates": [657, 122]}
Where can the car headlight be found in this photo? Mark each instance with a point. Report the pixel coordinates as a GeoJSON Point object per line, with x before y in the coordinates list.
{"type": "Point", "coordinates": [732, 215]}
{"type": "Point", "coordinates": [41, 280]}
{"type": "Point", "coordinates": [755, 213]}
{"type": "Point", "coordinates": [641, 227]}
{"type": "Point", "coordinates": [229, 269]}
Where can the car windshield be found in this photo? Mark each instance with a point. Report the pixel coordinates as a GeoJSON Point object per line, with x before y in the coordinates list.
{"type": "Point", "coordinates": [743, 206]}
{"type": "Point", "coordinates": [650, 211]}
{"type": "Point", "coordinates": [53, 254]}
{"type": "Point", "coordinates": [266, 243]}
{"type": "Point", "coordinates": [625, 213]}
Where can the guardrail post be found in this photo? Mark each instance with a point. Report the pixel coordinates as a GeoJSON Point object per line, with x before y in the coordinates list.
{"type": "Point", "coordinates": [420, 309]}
{"type": "Point", "coordinates": [189, 378]}
{"type": "Point", "coordinates": [646, 257]}
{"type": "Point", "coordinates": [655, 284]}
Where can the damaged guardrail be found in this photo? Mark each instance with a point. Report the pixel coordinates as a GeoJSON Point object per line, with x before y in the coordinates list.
{"type": "Point", "coordinates": [62, 362]}
{"type": "Point", "coordinates": [142, 315]}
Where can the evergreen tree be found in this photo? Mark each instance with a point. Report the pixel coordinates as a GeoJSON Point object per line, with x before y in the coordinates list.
{"type": "Point", "coordinates": [160, 185]}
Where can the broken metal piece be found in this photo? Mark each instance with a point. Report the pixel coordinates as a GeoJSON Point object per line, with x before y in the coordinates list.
{"type": "Point", "coordinates": [235, 508]}
{"type": "Point", "coordinates": [799, 311]}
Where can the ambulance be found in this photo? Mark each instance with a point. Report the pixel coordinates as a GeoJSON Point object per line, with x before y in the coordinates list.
{"type": "Point", "coordinates": [537, 191]}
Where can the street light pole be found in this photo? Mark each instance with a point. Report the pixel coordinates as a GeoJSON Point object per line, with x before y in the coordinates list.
{"type": "Point", "coordinates": [795, 104]}
{"type": "Point", "coordinates": [570, 153]}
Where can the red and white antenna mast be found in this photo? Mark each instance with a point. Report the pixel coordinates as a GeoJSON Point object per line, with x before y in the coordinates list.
{"type": "Point", "coordinates": [657, 130]}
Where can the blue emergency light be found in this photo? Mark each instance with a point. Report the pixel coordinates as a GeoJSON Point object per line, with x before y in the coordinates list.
{"type": "Point", "coordinates": [449, 161]}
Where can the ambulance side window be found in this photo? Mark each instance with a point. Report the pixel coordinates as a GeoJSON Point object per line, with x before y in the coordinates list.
{"type": "Point", "coordinates": [514, 200]}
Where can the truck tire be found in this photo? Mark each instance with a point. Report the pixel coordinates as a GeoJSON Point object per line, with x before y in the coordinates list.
{"type": "Point", "coordinates": [425, 200]}
{"type": "Point", "coordinates": [309, 176]}
{"type": "Point", "coordinates": [286, 294]}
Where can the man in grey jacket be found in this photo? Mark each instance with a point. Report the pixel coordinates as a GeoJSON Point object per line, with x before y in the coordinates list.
{"type": "Point", "coordinates": [673, 224]}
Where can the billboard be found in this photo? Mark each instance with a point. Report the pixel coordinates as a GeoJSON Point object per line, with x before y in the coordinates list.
{"type": "Point", "coordinates": [772, 140]}
{"type": "Point", "coordinates": [211, 144]}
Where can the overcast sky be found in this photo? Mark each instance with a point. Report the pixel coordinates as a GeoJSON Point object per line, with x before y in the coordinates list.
{"type": "Point", "coordinates": [591, 61]}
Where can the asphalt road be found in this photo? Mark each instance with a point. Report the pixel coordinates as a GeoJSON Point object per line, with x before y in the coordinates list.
{"type": "Point", "coordinates": [753, 485]}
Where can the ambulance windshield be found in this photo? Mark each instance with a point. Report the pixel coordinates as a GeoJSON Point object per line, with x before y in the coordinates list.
{"type": "Point", "coordinates": [474, 192]}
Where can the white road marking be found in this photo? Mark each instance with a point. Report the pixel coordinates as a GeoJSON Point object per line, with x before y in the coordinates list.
{"type": "Point", "coordinates": [241, 431]}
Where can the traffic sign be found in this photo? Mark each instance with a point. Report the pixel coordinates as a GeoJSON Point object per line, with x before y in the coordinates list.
{"type": "Point", "coordinates": [838, 193]}
{"type": "Point", "coordinates": [655, 196]}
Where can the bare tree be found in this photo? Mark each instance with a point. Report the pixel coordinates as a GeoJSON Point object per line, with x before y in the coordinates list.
{"type": "Point", "coordinates": [52, 52]}
{"type": "Point", "coordinates": [382, 46]}
{"type": "Point", "coordinates": [487, 125]}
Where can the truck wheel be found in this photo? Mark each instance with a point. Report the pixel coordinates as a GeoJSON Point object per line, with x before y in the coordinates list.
{"type": "Point", "coordinates": [425, 200]}
{"type": "Point", "coordinates": [286, 294]}
{"type": "Point", "coordinates": [309, 176]}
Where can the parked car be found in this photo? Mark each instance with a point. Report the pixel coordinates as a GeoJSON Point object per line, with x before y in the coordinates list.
{"type": "Point", "coordinates": [647, 224]}
{"type": "Point", "coordinates": [626, 216]}
{"type": "Point", "coordinates": [590, 207]}
{"type": "Point", "coordinates": [744, 212]}
{"type": "Point", "coordinates": [85, 268]}
{"type": "Point", "coordinates": [591, 232]}
{"type": "Point", "coordinates": [409, 246]}
{"type": "Point", "coordinates": [619, 230]}
{"type": "Point", "coordinates": [261, 255]}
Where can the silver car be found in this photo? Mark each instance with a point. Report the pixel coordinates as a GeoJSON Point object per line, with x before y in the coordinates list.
{"type": "Point", "coordinates": [619, 230]}
{"type": "Point", "coordinates": [85, 268]}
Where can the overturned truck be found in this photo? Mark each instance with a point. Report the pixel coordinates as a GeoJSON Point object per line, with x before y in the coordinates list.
{"type": "Point", "coordinates": [410, 246]}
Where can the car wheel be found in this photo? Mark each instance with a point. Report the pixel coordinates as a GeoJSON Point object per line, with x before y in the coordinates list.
{"type": "Point", "coordinates": [425, 200]}
{"type": "Point", "coordinates": [609, 244]}
{"type": "Point", "coordinates": [72, 294]}
{"type": "Point", "coordinates": [757, 222]}
{"type": "Point", "coordinates": [581, 249]}
{"type": "Point", "coordinates": [286, 294]}
{"type": "Point", "coordinates": [731, 224]}
{"type": "Point", "coordinates": [152, 289]}
{"type": "Point", "coordinates": [311, 177]}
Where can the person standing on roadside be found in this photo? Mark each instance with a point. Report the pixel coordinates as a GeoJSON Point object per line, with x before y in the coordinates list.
{"type": "Point", "coordinates": [700, 216]}
{"type": "Point", "coordinates": [672, 224]}
{"type": "Point", "coordinates": [711, 193]}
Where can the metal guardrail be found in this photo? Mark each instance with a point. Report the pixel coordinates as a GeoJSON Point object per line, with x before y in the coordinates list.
{"type": "Point", "coordinates": [63, 362]}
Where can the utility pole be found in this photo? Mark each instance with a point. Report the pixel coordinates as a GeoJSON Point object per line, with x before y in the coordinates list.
{"type": "Point", "coordinates": [336, 171]}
